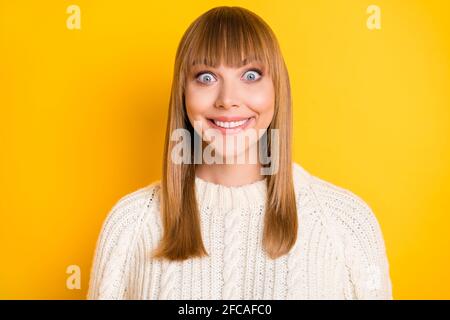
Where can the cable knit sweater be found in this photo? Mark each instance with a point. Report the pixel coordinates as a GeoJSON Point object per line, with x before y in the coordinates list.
{"type": "Point", "coordinates": [339, 254]}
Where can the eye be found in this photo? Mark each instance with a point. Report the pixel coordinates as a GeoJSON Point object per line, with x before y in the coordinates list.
{"type": "Point", "coordinates": [252, 75]}
{"type": "Point", "coordinates": [205, 77]}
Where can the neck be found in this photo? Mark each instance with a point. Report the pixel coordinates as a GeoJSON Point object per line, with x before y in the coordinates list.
{"type": "Point", "coordinates": [230, 175]}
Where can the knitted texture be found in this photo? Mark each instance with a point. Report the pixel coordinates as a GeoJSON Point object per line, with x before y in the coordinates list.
{"type": "Point", "coordinates": [339, 253]}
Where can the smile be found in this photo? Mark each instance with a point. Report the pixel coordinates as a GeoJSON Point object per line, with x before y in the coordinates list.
{"type": "Point", "coordinates": [231, 125]}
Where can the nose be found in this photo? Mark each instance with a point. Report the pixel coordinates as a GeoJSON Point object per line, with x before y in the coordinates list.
{"type": "Point", "coordinates": [228, 96]}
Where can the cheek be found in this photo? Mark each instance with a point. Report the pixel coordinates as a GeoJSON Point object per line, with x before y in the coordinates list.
{"type": "Point", "coordinates": [197, 102]}
{"type": "Point", "coordinates": [262, 102]}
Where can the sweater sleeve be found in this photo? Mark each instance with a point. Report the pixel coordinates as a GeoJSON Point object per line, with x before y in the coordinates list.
{"type": "Point", "coordinates": [366, 255]}
{"type": "Point", "coordinates": [114, 248]}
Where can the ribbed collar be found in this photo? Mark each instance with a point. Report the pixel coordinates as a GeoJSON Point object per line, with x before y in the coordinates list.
{"type": "Point", "coordinates": [217, 195]}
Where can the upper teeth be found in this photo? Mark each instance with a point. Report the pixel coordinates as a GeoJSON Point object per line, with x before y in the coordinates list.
{"type": "Point", "coordinates": [230, 124]}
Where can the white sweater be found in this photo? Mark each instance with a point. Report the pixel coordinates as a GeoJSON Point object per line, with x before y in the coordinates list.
{"type": "Point", "coordinates": [340, 252]}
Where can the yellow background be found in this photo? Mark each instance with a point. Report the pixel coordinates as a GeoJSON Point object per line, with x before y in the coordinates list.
{"type": "Point", "coordinates": [83, 113]}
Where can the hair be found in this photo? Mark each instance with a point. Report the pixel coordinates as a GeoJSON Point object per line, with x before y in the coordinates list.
{"type": "Point", "coordinates": [233, 36]}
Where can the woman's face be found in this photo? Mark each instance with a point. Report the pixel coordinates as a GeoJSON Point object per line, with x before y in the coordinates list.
{"type": "Point", "coordinates": [230, 104]}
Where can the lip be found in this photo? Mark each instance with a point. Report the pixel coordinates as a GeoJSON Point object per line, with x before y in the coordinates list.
{"type": "Point", "coordinates": [242, 127]}
{"type": "Point", "coordinates": [228, 119]}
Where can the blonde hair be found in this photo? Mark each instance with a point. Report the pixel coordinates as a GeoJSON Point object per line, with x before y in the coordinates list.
{"type": "Point", "coordinates": [233, 36]}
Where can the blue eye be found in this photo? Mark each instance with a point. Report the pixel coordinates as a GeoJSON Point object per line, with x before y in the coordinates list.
{"type": "Point", "coordinates": [252, 75]}
{"type": "Point", "coordinates": [207, 77]}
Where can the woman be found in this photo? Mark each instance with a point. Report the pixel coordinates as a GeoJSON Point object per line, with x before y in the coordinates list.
{"type": "Point", "coordinates": [215, 229]}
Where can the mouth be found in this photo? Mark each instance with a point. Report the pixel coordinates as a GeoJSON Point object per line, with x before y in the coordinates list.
{"type": "Point", "coordinates": [228, 125]}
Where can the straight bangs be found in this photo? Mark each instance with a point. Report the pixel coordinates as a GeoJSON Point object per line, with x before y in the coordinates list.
{"type": "Point", "coordinates": [230, 38]}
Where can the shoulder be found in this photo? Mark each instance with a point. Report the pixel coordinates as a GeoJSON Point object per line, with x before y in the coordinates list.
{"type": "Point", "coordinates": [129, 209]}
{"type": "Point", "coordinates": [301, 177]}
{"type": "Point", "coordinates": [356, 233]}
{"type": "Point", "coordinates": [138, 198]}
{"type": "Point", "coordinates": [117, 236]}
{"type": "Point", "coordinates": [341, 209]}
{"type": "Point", "coordinates": [127, 213]}
{"type": "Point", "coordinates": [335, 197]}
